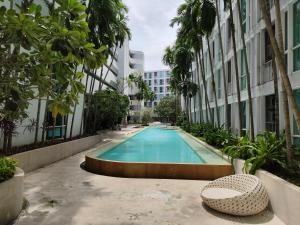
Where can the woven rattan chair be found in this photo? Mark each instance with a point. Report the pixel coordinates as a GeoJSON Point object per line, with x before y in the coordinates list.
{"type": "Point", "coordinates": [241, 195]}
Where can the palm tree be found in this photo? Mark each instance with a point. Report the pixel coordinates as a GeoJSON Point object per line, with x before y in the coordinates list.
{"type": "Point", "coordinates": [189, 15]}
{"type": "Point", "coordinates": [247, 72]}
{"type": "Point", "coordinates": [286, 110]}
{"type": "Point", "coordinates": [226, 125]}
{"type": "Point", "coordinates": [280, 62]}
{"type": "Point", "coordinates": [232, 30]}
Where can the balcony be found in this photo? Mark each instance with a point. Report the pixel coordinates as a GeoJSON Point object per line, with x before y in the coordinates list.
{"type": "Point", "coordinates": [267, 73]}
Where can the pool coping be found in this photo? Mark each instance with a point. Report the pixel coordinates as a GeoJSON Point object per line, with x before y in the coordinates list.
{"type": "Point", "coordinates": [192, 171]}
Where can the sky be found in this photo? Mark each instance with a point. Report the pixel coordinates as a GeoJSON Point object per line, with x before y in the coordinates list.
{"type": "Point", "coordinates": [149, 23]}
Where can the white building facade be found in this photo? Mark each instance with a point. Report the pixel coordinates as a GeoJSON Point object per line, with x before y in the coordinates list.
{"type": "Point", "coordinates": [260, 66]}
{"type": "Point", "coordinates": [159, 82]}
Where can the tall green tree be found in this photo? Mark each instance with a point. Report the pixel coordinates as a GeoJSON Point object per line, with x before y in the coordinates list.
{"type": "Point", "coordinates": [242, 16]}
{"type": "Point", "coordinates": [226, 125]}
{"type": "Point", "coordinates": [228, 4]}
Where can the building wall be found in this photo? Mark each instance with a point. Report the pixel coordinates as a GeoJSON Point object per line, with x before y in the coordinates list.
{"type": "Point", "coordinates": [262, 84]}
{"type": "Point", "coordinates": [159, 82]}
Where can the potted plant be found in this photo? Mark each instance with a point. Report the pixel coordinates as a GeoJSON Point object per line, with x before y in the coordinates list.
{"type": "Point", "coordinates": [11, 190]}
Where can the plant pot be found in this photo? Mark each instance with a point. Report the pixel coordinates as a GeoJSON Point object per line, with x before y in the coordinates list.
{"type": "Point", "coordinates": [11, 197]}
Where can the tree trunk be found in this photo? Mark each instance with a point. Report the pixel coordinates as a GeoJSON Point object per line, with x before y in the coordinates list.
{"type": "Point", "coordinates": [213, 81]}
{"type": "Point", "coordinates": [53, 128]}
{"type": "Point", "coordinates": [37, 121]}
{"type": "Point", "coordinates": [275, 77]}
{"type": "Point", "coordinates": [45, 121]}
{"type": "Point", "coordinates": [89, 103]}
{"type": "Point", "coordinates": [72, 122]}
{"type": "Point", "coordinates": [112, 60]}
{"type": "Point", "coordinates": [247, 74]}
{"type": "Point", "coordinates": [280, 62]}
{"type": "Point", "coordinates": [287, 123]}
{"type": "Point", "coordinates": [226, 125]}
{"type": "Point", "coordinates": [82, 114]}
{"type": "Point", "coordinates": [232, 29]}
{"type": "Point", "coordinates": [208, 109]}
{"type": "Point", "coordinates": [199, 90]}
{"type": "Point", "coordinates": [66, 127]}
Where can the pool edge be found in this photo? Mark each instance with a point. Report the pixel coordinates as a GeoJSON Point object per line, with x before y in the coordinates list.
{"type": "Point", "coordinates": [153, 170]}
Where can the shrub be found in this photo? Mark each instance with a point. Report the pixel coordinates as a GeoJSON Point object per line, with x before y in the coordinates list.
{"type": "Point", "coordinates": [7, 168]}
{"type": "Point", "coordinates": [186, 126]}
{"type": "Point", "coordinates": [146, 119]}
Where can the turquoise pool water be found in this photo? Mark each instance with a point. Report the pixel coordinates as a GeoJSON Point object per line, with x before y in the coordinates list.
{"type": "Point", "coordinates": [154, 145]}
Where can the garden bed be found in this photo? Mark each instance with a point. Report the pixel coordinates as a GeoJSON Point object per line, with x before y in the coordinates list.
{"type": "Point", "coordinates": [11, 195]}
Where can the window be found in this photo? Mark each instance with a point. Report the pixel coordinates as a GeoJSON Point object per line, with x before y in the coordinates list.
{"type": "Point", "coordinates": [145, 76]}
{"type": "Point", "coordinates": [161, 89]}
{"type": "Point", "coordinates": [155, 74]}
{"type": "Point", "coordinates": [155, 103]}
{"type": "Point", "coordinates": [286, 37]}
{"type": "Point", "coordinates": [296, 134]}
{"type": "Point", "coordinates": [60, 126]}
{"type": "Point", "coordinates": [168, 81]}
{"type": "Point", "coordinates": [229, 71]}
{"type": "Point", "coordinates": [244, 117]}
{"type": "Point", "coordinates": [161, 82]}
{"type": "Point", "coordinates": [155, 89]}
{"type": "Point", "coordinates": [150, 75]}
{"type": "Point", "coordinates": [244, 15]}
{"type": "Point", "coordinates": [168, 88]}
{"type": "Point", "coordinates": [219, 83]}
{"type": "Point", "coordinates": [229, 115]}
{"type": "Point", "coordinates": [155, 82]}
{"type": "Point", "coordinates": [270, 113]}
{"type": "Point", "coordinates": [296, 36]}
{"type": "Point", "coordinates": [243, 71]}
{"type": "Point", "coordinates": [150, 82]}
{"type": "Point", "coordinates": [268, 47]}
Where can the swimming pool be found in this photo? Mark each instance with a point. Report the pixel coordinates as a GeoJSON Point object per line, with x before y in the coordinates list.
{"type": "Point", "coordinates": [157, 153]}
{"type": "Point", "coordinates": [154, 145]}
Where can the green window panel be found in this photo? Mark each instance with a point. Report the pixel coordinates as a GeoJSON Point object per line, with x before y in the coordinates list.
{"type": "Point", "coordinates": [296, 134]}
{"type": "Point", "coordinates": [296, 28]}
{"type": "Point", "coordinates": [219, 84]}
{"type": "Point", "coordinates": [243, 71]}
{"type": "Point", "coordinates": [296, 36]}
{"type": "Point", "coordinates": [244, 15]}
{"type": "Point", "coordinates": [296, 55]}
{"type": "Point", "coordinates": [286, 37]}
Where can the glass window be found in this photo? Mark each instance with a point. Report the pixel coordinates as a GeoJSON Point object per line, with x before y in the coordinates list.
{"type": "Point", "coordinates": [296, 134]}
{"type": "Point", "coordinates": [145, 76]}
{"type": "Point", "coordinates": [296, 29]}
{"type": "Point", "coordinates": [150, 75]}
{"type": "Point", "coordinates": [161, 89]}
{"type": "Point", "coordinates": [244, 14]}
{"type": "Point", "coordinates": [268, 47]}
{"type": "Point", "coordinates": [243, 72]}
{"type": "Point", "coordinates": [286, 30]}
{"type": "Point", "coordinates": [155, 82]}
{"type": "Point", "coordinates": [219, 83]}
{"type": "Point", "coordinates": [161, 82]}
{"type": "Point", "coordinates": [244, 117]}
{"type": "Point", "coordinates": [229, 71]}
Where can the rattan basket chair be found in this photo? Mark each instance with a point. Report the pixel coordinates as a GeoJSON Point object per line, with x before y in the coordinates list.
{"type": "Point", "coordinates": [241, 195]}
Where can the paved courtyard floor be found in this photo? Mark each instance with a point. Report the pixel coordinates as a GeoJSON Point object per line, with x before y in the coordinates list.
{"type": "Point", "coordinates": [64, 194]}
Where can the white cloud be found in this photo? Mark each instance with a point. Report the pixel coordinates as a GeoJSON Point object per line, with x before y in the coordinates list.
{"type": "Point", "coordinates": [149, 23]}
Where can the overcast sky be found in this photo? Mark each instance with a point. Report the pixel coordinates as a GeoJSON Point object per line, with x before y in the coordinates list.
{"type": "Point", "coordinates": [149, 23]}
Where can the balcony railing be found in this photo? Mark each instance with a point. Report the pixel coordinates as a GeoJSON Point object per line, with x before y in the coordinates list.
{"type": "Point", "coordinates": [267, 74]}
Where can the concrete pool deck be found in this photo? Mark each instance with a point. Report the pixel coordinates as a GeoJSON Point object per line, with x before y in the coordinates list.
{"type": "Point", "coordinates": [64, 194]}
